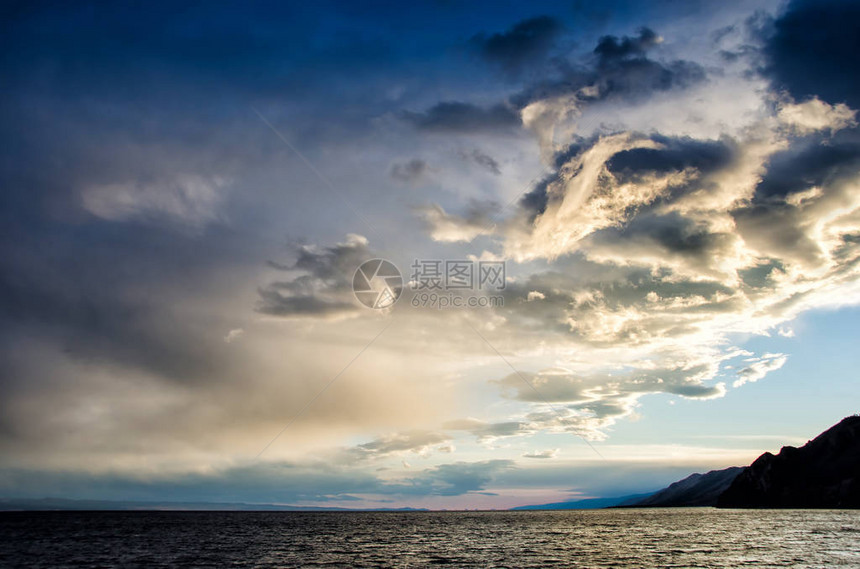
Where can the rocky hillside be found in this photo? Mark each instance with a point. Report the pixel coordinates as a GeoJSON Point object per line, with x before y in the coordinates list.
{"type": "Point", "coordinates": [823, 473]}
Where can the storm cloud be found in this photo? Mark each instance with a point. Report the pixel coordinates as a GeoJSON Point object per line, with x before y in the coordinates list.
{"type": "Point", "coordinates": [525, 43]}
{"type": "Point", "coordinates": [811, 50]}
{"type": "Point", "coordinates": [461, 117]}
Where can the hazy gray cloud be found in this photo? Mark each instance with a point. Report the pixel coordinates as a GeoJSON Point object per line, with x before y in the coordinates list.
{"type": "Point", "coordinates": [417, 442]}
{"type": "Point", "coordinates": [279, 483]}
{"type": "Point", "coordinates": [409, 172]}
{"type": "Point", "coordinates": [483, 160]}
{"type": "Point", "coordinates": [485, 431]}
{"type": "Point", "coordinates": [442, 226]}
{"type": "Point", "coordinates": [455, 479]}
{"type": "Point", "coordinates": [234, 335]}
{"type": "Point", "coordinates": [286, 483]}
{"type": "Point", "coordinates": [319, 282]}
{"type": "Point", "coordinates": [189, 199]}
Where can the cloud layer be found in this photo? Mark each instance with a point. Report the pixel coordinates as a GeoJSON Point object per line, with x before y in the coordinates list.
{"type": "Point", "coordinates": [177, 278]}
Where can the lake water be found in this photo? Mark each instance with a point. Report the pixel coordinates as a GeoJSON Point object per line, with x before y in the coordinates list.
{"type": "Point", "coordinates": [595, 538]}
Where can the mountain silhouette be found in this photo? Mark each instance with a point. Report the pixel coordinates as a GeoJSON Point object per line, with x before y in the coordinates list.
{"type": "Point", "coordinates": [823, 473]}
{"type": "Point", "coordinates": [694, 490]}
{"type": "Point", "coordinates": [587, 503]}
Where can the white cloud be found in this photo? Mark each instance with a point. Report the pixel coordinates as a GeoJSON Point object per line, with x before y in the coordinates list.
{"type": "Point", "coordinates": [648, 252]}
{"type": "Point", "coordinates": [814, 115]}
{"type": "Point", "coordinates": [449, 228]}
{"type": "Point", "coordinates": [586, 404]}
{"type": "Point", "coordinates": [759, 368]}
{"type": "Point", "coordinates": [578, 207]}
{"type": "Point", "coordinates": [414, 442]}
{"type": "Point", "coordinates": [190, 199]}
{"type": "Point", "coordinates": [545, 117]}
{"type": "Point", "coordinates": [548, 453]}
{"type": "Point", "coordinates": [234, 335]}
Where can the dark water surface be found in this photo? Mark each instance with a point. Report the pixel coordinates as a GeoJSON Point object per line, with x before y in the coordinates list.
{"type": "Point", "coordinates": [596, 538]}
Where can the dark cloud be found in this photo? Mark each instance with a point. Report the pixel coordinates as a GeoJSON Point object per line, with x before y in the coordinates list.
{"type": "Point", "coordinates": [778, 231]}
{"type": "Point", "coordinates": [459, 117]}
{"type": "Point", "coordinates": [620, 68]}
{"type": "Point", "coordinates": [525, 43]}
{"type": "Point", "coordinates": [611, 48]}
{"type": "Point", "coordinates": [483, 160]}
{"type": "Point", "coordinates": [535, 200]}
{"type": "Point", "coordinates": [813, 49]}
{"type": "Point", "coordinates": [674, 155]}
{"type": "Point", "coordinates": [410, 171]}
{"type": "Point", "coordinates": [804, 166]}
{"type": "Point", "coordinates": [638, 77]}
{"type": "Point", "coordinates": [672, 232]}
{"type": "Point", "coordinates": [320, 282]}
{"type": "Point", "coordinates": [777, 221]}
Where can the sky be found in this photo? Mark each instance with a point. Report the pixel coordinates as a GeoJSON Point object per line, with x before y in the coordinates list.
{"type": "Point", "coordinates": [188, 190]}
